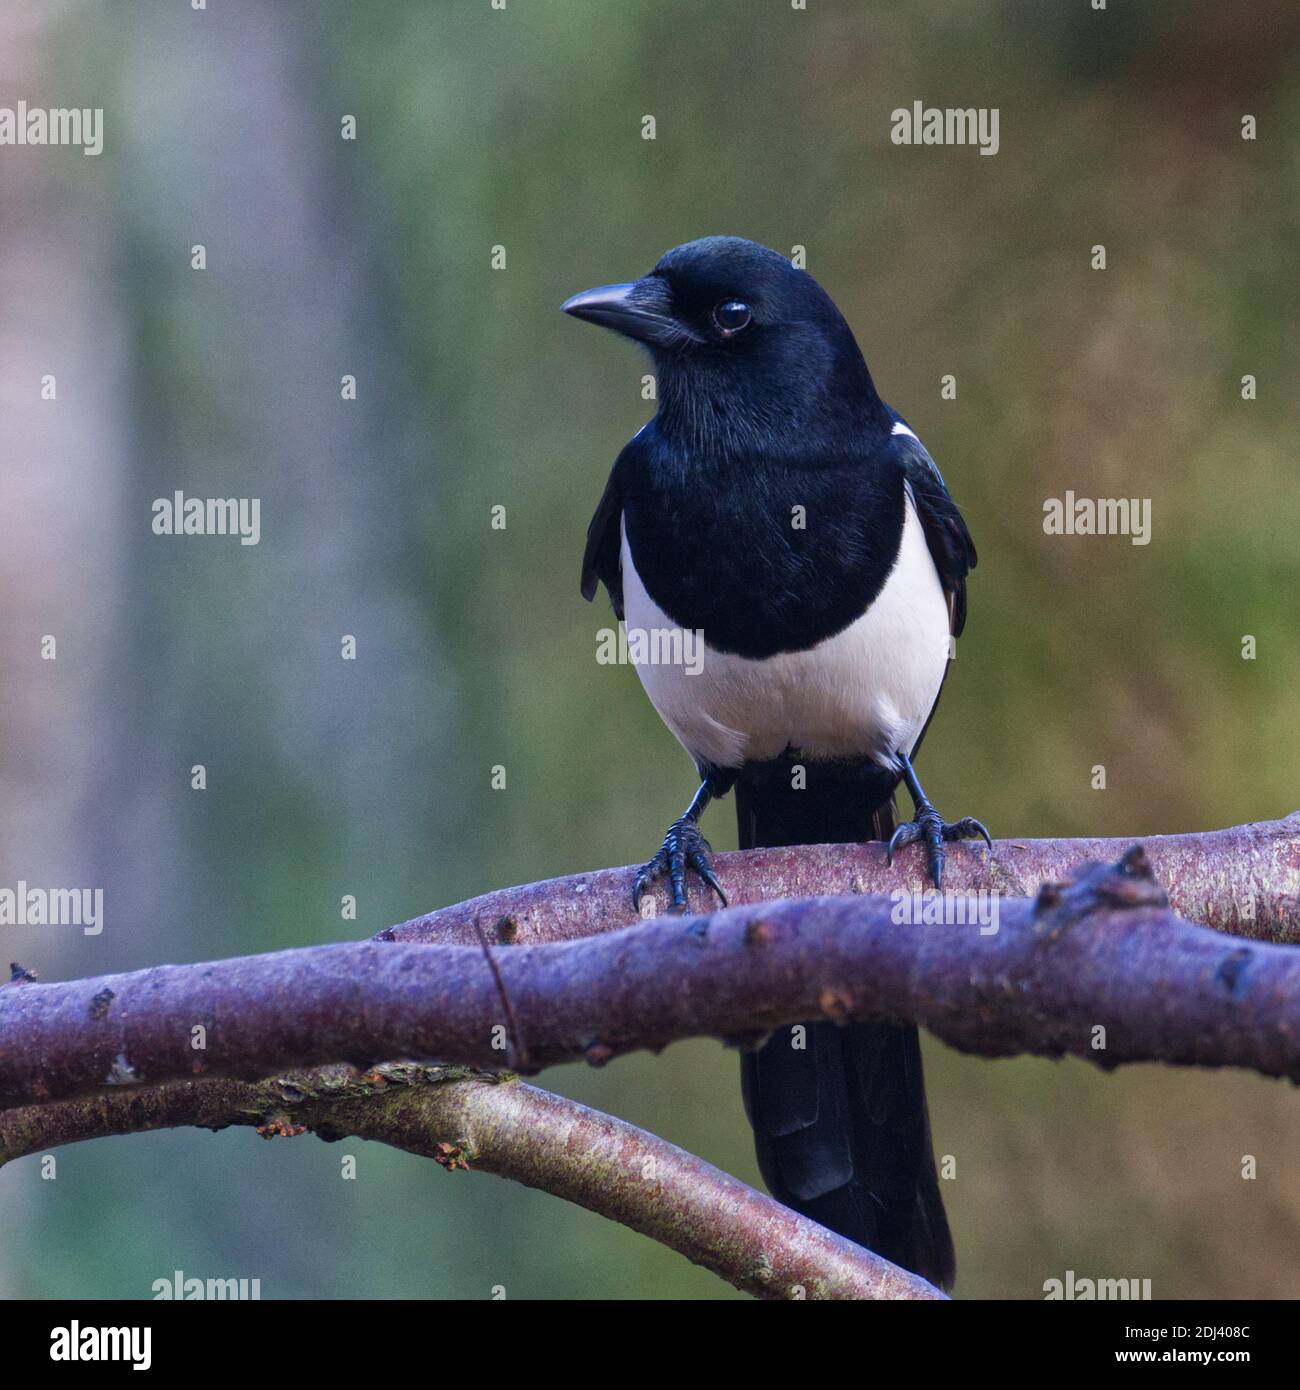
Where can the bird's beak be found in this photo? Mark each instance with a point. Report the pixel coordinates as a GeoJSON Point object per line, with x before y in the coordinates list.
{"type": "Point", "coordinates": [639, 310]}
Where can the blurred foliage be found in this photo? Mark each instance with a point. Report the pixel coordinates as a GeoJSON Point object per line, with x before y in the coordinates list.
{"type": "Point", "coordinates": [522, 128]}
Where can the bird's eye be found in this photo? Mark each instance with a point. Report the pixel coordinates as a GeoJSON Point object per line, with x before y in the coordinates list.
{"type": "Point", "coordinates": [730, 317]}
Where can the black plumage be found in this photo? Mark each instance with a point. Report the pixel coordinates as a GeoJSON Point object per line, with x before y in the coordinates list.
{"type": "Point", "coordinates": [766, 506]}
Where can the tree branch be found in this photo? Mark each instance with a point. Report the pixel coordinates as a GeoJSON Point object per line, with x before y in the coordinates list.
{"type": "Point", "coordinates": [1245, 881]}
{"type": "Point", "coordinates": [1102, 951]}
{"type": "Point", "coordinates": [105, 1056]}
{"type": "Point", "coordinates": [497, 1124]}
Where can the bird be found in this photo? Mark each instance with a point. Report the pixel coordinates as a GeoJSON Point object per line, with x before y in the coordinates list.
{"type": "Point", "coordinates": [780, 512]}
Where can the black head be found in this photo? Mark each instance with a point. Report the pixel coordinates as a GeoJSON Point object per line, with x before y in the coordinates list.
{"type": "Point", "coordinates": [749, 351]}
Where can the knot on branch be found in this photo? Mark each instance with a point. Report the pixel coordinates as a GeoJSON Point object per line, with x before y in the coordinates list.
{"type": "Point", "coordinates": [280, 1127]}
{"type": "Point", "coordinates": [451, 1156]}
{"type": "Point", "coordinates": [1231, 973]}
{"type": "Point", "coordinates": [1094, 886]}
{"type": "Point", "coordinates": [99, 1004]}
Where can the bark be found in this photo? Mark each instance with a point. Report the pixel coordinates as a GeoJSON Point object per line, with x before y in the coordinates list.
{"type": "Point", "coordinates": [498, 1124]}
{"type": "Point", "coordinates": [1096, 965]}
{"type": "Point", "coordinates": [1245, 880]}
{"type": "Point", "coordinates": [1102, 951]}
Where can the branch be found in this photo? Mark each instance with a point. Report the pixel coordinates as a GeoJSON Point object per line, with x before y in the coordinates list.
{"type": "Point", "coordinates": [1104, 950]}
{"type": "Point", "coordinates": [500, 1125]}
{"type": "Point", "coordinates": [1245, 881]}
{"type": "Point", "coordinates": [1098, 952]}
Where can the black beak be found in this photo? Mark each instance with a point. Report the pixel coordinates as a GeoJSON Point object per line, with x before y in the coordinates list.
{"type": "Point", "coordinates": [637, 310]}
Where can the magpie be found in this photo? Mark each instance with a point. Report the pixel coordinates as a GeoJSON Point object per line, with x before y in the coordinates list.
{"type": "Point", "coordinates": [779, 509]}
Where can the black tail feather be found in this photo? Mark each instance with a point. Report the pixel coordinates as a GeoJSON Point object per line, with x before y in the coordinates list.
{"type": "Point", "coordinates": [838, 1111]}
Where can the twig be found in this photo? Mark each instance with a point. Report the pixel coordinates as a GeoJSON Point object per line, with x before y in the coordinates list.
{"type": "Point", "coordinates": [518, 1055]}
{"type": "Point", "coordinates": [500, 1125]}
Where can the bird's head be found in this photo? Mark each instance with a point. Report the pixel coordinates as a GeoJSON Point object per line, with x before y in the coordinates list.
{"type": "Point", "coordinates": [749, 351]}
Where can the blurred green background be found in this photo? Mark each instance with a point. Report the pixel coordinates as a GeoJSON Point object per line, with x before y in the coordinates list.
{"type": "Point", "coordinates": [521, 128]}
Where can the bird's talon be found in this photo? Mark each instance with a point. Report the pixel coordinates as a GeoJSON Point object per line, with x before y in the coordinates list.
{"type": "Point", "coordinates": [700, 863]}
{"type": "Point", "coordinates": [904, 835]}
{"type": "Point", "coordinates": [935, 831]}
{"type": "Point", "coordinates": [967, 829]}
{"type": "Point", "coordinates": [936, 872]}
{"type": "Point", "coordinates": [644, 874]}
{"type": "Point", "coordinates": [684, 848]}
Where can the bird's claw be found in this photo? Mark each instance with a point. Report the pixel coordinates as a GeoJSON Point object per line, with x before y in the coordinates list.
{"type": "Point", "coordinates": [684, 848]}
{"type": "Point", "coordinates": [930, 826]}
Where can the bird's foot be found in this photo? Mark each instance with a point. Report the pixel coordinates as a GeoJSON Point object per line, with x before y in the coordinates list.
{"type": "Point", "coordinates": [931, 827]}
{"type": "Point", "coordinates": [684, 848]}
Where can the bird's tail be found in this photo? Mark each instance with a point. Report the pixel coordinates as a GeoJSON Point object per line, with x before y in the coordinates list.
{"type": "Point", "coordinates": [838, 1111]}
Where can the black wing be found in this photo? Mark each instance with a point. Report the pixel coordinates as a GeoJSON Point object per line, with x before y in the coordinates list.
{"type": "Point", "coordinates": [601, 561]}
{"type": "Point", "coordinates": [950, 542]}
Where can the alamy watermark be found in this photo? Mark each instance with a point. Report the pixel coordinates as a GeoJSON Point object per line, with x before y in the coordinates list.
{"type": "Point", "coordinates": [1086, 1290]}
{"type": "Point", "coordinates": [933, 908]}
{"type": "Point", "coordinates": [191, 1288]}
{"type": "Point", "coordinates": [950, 125]}
{"type": "Point", "coordinates": [1099, 516]}
{"type": "Point", "coordinates": [52, 907]}
{"type": "Point", "coordinates": [57, 125]}
{"type": "Point", "coordinates": [77, 1343]}
{"type": "Point", "coordinates": [179, 515]}
{"type": "Point", "coordinates": [652, 646]}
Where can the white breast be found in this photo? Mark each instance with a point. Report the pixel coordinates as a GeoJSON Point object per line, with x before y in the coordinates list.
{"type": "Point", "coordinates": [866, 691]}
